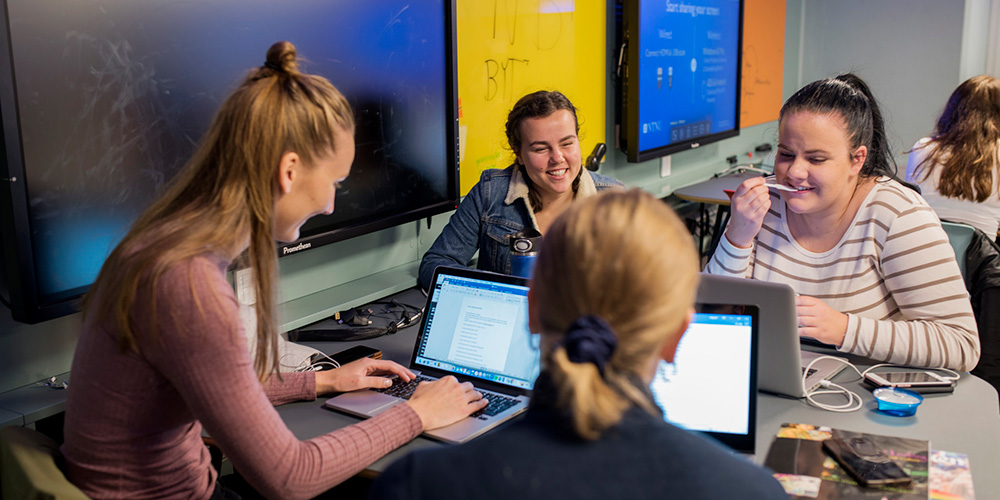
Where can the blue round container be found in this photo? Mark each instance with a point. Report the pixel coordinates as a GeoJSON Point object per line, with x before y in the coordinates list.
{"type": "Point", "coordinates": [897, 402]}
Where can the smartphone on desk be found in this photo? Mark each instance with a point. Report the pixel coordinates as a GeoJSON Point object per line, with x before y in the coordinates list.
{"type": "Point", "coordinates": [865, 461]}
{"type": "Point", "coordinates": [918, 381]}
{"type": "Point", "coordinates": [346, 356]}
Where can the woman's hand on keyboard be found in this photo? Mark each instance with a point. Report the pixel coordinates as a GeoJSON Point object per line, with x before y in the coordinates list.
{"type": "Point", "coordinates": [365, 373]}
{"type": "Point", "coordinates": [445, 401]}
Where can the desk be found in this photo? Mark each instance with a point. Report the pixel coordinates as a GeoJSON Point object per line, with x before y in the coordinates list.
{"type": "Point", "coordinates": [10, 418]}
{"type": "Point", "coordinates": [711, 192]}
{"type": "Point", "coordinates": [32, 403]}
{"type": "Point", "coordinates": [309, 419]}
{"type": "Point", "coordinates": [965, 421]}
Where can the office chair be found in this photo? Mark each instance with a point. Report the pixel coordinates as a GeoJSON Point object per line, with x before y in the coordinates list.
{"type": "Point", "coordinates": [979, 259]}
{"type": "Point", "coordinates": [960, 236]}
{"type": "Point", "coordinates": [29, 467]}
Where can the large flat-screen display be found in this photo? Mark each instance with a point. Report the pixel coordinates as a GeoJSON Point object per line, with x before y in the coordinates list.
{"type": "Point", "coordinates": [103, 101]}
{"type": "Point", "coordinates": [680, 76]}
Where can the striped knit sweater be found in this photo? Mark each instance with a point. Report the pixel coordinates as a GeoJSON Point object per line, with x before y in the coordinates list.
{"type": "Point", "coordinates": [893, 273]}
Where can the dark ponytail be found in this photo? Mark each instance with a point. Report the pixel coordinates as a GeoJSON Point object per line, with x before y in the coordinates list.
{"type": "Point", "coordinates": [880, 158]}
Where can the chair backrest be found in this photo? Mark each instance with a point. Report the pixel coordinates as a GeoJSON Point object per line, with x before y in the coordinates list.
{"type": "Point", "coordinates": [29, 468]}
{"type": "Point", "coordinates": [960, 235]}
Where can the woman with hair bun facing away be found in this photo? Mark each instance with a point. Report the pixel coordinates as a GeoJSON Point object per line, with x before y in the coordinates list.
{"type": "Point", "coordinates": [612, 293]}
{"type": "Point", "coordinates": [162, 354]}
{"type": "Point", "coordinates": [958, 168]}
{"type": "Point", "coordinates": [874, 270]}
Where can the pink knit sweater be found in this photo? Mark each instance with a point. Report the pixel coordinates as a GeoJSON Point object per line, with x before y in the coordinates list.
{"type": "Point", "coordinates": [134, 420]}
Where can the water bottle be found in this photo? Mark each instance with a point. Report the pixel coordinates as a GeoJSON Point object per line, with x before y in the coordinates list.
{"type": "Point", "coordinates": [524, 246]}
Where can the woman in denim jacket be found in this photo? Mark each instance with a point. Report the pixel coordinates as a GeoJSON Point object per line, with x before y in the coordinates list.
{"type": "Point", "coordinates": [546, 177]}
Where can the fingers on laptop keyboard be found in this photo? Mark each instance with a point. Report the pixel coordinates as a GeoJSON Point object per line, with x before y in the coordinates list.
{"type": "Point", "coordinates": [494, 405]}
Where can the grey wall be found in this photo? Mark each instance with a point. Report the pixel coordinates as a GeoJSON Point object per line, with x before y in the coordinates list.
{"type": "Point", "coordinates": [909, 50]}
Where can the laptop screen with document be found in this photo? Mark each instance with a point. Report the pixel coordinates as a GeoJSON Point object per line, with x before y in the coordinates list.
{"type": "Point", "coordinates": [479, 329]}
{"type": "Point", "coordinates": [711, 386]}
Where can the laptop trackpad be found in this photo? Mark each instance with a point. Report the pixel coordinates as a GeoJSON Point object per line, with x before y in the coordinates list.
{"type": "Point", "coordinates": [368, 403]}
{"type": "Point", "coordinates": [461, 431]}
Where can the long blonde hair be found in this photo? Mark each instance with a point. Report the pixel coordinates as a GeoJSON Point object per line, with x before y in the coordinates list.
{"type": "Point", "coordinates": [224, 198]}
{"type": "Point", "coordinates": [627, 258]}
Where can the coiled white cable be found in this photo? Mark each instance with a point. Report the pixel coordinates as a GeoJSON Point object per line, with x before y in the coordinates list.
{"type": "Point", "coordinates": [304, 365]}
{"type": "Point", "coordinates": [854, 402]}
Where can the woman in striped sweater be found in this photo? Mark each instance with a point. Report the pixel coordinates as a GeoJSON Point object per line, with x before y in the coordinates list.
{"type": "Point", "coordinates": [875, 273]}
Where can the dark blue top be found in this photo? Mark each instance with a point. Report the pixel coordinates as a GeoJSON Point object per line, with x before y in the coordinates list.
{"type": "Point", "coordinates": [539, 456]}
{"type": "Point", "coordinates": [485, 221]}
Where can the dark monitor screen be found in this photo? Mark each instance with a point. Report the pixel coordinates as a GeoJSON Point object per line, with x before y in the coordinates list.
{"type": "Point", "coordinates": [682, 82]}
{"type": "Point", "coordinates": [103, 101]}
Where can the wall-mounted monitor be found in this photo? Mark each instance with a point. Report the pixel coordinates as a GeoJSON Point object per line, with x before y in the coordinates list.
{"type": "Point", "coordinates": [679, 75]}
{"type": "Point", "coordinates": [102, 102]}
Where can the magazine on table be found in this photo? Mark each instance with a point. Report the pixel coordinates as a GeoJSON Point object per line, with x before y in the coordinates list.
{"type": "Point", "coordinates": [807, 469]}
{"type": "Point", "coordinates": [951, 477]}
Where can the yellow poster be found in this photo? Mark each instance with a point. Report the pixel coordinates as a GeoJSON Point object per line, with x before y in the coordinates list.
{"type": "Point", "coordinates": [509, 48]}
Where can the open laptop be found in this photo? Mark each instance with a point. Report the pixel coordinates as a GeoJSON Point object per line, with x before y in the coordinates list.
{"type": "Point", "coordinates": [780, 355]}
{"type": "Point", "coordinates": [713, 390]}
{"type": "Point", "coordinates": [476, 329]}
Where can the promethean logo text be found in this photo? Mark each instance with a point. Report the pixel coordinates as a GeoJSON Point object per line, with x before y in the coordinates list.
{"type": "Point", "coordinates": [296, 248]}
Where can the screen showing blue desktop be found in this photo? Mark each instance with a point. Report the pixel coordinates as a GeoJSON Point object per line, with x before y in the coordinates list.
{"type": "Point", "coordinates": [688, 83]}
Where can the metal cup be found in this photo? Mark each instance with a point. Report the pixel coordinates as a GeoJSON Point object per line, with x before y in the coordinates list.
{"type": "Point", "coordinates": [524, 246]}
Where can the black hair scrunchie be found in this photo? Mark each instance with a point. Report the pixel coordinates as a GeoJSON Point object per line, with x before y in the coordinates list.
{"type": "Point", "coordinates": [590, 339]}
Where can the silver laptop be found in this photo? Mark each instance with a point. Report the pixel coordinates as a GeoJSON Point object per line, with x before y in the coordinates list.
{"type": "Point", "coordinates": [712, 390]}
{"type": "Point", "coordinates": [476, 329]}
{"type": "Point", "coordinates": [780, 355]}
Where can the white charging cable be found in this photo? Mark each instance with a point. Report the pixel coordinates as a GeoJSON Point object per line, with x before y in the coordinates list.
{"type": "Point", "coordinates": [954, 376]}
{"type": "Point", "coordinates": [854, 402]}
{"type": "Point", "coordinates": [319, 365]}
{"type": "Point", "coordinates": [305, 364]}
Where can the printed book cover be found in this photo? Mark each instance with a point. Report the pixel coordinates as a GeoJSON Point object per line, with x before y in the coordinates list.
{"type": "Point", "coordinates": [805, 470]}
{"type": "Point", "coordinates": [951, 477]}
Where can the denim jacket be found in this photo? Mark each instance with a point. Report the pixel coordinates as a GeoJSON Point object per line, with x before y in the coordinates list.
{"type": "Point", "coordinates": [494, 209]}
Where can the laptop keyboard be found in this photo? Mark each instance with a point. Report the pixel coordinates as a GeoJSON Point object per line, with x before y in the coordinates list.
{"type": "Point", "coordinates": [497, 405]}
{"type": "Point", "coordinates": [811, 371]}
{"type": "Point", "coordinates": [404, 390]}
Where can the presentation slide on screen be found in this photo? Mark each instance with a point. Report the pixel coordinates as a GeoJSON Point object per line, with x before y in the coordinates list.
{"type": "Point", "coordinates": [688, 55]}
{"type": "Point", "coordinates": [705, 388]}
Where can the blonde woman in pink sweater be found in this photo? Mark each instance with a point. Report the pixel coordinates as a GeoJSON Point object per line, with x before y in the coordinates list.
{"type": "Point", "coordinates": [162, 356]}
